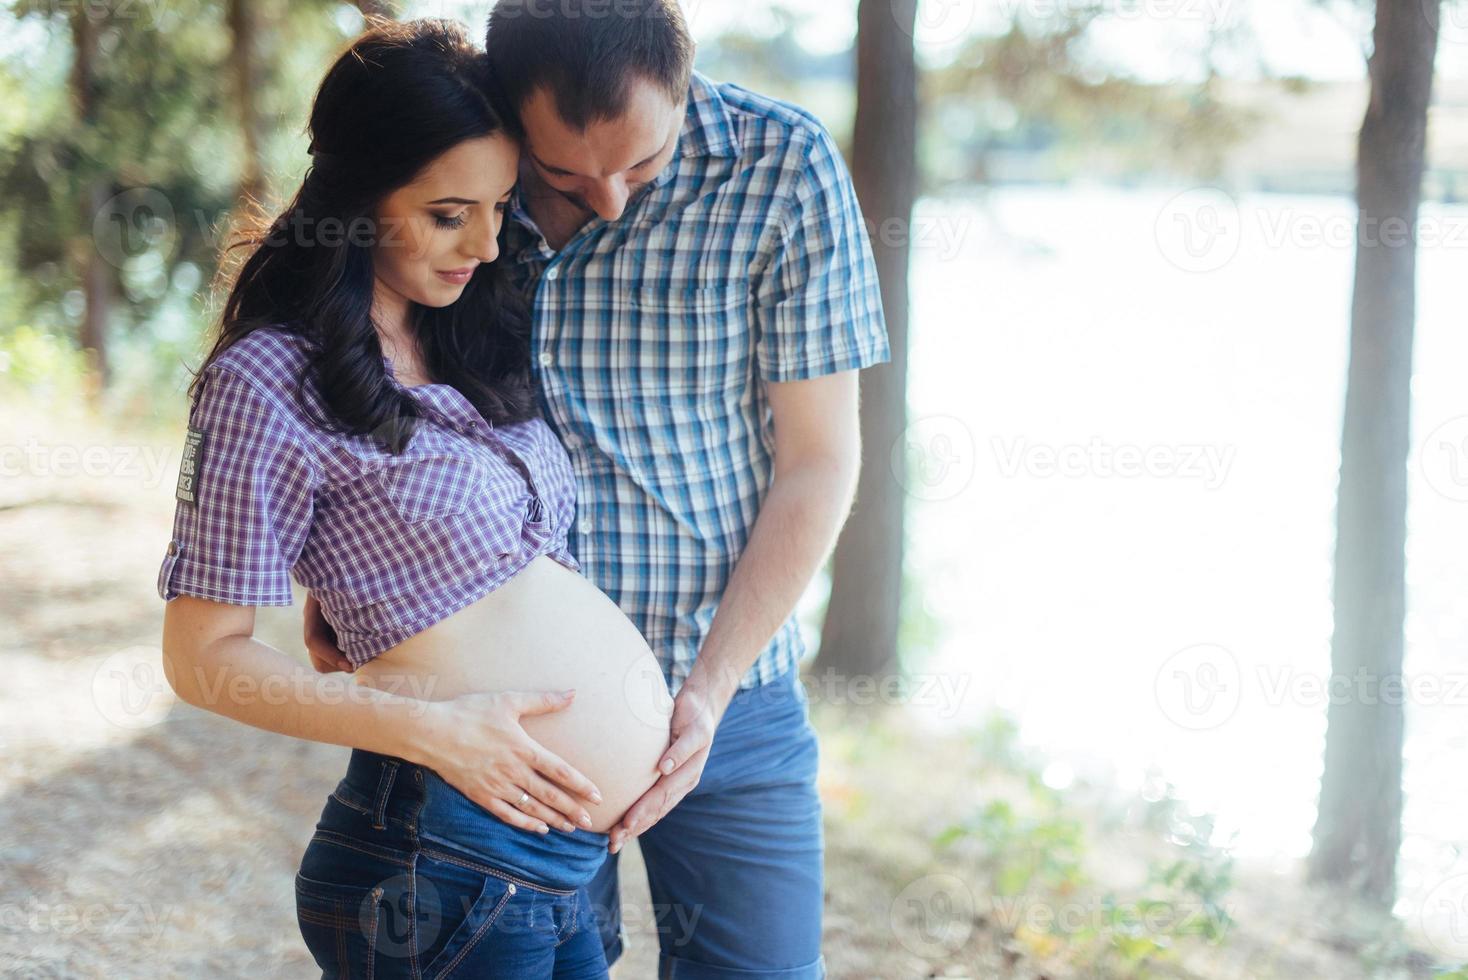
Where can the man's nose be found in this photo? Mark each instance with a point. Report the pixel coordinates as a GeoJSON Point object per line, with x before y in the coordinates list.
{"type": "Point", "coordinates": [608, 198]}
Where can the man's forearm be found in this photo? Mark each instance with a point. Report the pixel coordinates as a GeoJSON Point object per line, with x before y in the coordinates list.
{"type": "Point", "coordinates": [794, 532]}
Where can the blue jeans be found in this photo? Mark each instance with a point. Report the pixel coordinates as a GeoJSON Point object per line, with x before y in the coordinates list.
{"type": "Point", "coordinates": [735, 869]}
{"type": "Point", "coordinates": [407, 877]}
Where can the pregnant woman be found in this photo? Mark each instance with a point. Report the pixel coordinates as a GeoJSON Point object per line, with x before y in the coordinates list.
{"type": "Point", "coordinates": [366, 422]}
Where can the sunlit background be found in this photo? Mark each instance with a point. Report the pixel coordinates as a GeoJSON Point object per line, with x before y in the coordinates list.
{"type": "Point", "coordinates": [1131, 274]}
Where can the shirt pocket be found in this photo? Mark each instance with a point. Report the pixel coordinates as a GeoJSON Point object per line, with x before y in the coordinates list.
{"type": "Point", "coordinates": [692, 342]}
{"type": "Point", "coordinates": [428, 488]}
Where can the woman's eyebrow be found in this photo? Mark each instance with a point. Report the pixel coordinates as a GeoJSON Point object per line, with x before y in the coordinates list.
{"type": "Point", "coordinates": [453, 200]}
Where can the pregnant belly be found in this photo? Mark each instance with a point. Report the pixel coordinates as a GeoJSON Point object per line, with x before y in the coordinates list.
{"type": "Point", "coordinates": [548, 629]}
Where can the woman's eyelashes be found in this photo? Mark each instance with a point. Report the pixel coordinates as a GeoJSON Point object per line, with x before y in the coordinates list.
{"type": "Point", "coordinates": [460, 219]}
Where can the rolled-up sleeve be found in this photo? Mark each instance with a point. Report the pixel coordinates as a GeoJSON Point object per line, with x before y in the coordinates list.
{"type": "Point", "coordinates": [253, 487]}
{"type": "Point", "coordinates": [818, 303]}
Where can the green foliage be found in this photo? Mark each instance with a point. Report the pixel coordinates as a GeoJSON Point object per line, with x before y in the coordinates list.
{"type": "Point", "coordinates": [1032, 97]}
{"type": "Point", "coordinates": [1033, 847]}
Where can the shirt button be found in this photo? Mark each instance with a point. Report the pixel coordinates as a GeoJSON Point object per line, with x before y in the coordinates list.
{"type": "Point", "coordinates": [173, 547]}
{"type": "Point", "coordinates": [584, 526]}
{"type": "Point", "coordinates": [545, 358]}
{"type": "Point", "coordinates": [553, 274]}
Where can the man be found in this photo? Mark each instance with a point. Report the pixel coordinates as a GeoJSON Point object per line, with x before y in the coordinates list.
{"type": "Point", "coordinates": [704, 297]}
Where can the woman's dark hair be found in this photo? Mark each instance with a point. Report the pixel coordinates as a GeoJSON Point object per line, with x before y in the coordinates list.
{"type": "Point", "coordinates": [401, 95]}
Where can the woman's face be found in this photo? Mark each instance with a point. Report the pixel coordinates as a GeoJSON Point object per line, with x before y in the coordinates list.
{"type": "Point", "coordinates": [436, 230]}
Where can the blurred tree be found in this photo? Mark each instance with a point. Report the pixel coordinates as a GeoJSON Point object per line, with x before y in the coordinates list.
{"type": "Point", "coordinates": [1359, 824]}
{"type": "Point", "coordinates": [96, 276]}
{"type": "Point", "coordinates": [859, 635]}
{"type": "Point", "coordinates": [113, 202]}
{"type": "Point", "coordinates": [244, 28]}
{"type": "Point", "coordinates": [376, 8]}
{"type": "Point", "coordinates": [1033, 93]}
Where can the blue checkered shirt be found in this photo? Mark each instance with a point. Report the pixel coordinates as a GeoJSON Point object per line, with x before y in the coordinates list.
{"type": "Point", "coordinates": [745, 261]}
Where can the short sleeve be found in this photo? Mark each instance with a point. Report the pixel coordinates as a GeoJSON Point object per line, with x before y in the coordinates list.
{"type": "Point", "coordinates": [244, 502]}
{"type": "Point", "coordinates": [818, 303]}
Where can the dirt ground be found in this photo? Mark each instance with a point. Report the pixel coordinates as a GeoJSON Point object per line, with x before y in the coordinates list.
{"type": "Point", "coordinates": [140, 837]}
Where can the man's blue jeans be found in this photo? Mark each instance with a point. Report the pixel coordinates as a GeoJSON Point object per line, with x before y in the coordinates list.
{"type": "Point", "coordinates": [735, 869]}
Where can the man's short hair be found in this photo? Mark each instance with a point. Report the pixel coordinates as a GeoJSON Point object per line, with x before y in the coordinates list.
{"type": "Point", "coordinates": [587, 53]}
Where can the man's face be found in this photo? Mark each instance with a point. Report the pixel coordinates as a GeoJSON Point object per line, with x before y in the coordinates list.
{"type": "Point", "coordinates": [603, 167]}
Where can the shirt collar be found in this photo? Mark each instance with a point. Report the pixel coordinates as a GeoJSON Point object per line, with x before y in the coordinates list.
{"type": "Point", "coordinates": [707, 128]}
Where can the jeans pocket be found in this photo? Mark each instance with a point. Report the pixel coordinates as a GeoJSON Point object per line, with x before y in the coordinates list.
{"type": "Point", "coordinates": [456, 908]}
{"type": "Point", "coordinates": [341, 925]}
{"type": "Point", "coordinates": [352, 905]}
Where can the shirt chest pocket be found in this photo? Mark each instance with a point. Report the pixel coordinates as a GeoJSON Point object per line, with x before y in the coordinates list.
{"type": "Point", "coordinates": [691, 342]}
{"type": "Point", "coordinates": [427, 488]}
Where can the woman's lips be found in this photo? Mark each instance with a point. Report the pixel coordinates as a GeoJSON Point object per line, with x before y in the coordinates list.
{"type": "Point", "coordinates": [457, 276]}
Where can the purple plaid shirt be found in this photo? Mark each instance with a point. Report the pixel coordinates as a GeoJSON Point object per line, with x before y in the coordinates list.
{"type": "Point", "coordinates": [389, 544]}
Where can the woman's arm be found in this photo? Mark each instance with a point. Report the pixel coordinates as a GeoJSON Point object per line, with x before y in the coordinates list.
{"type": "Point", "coordinates": [213, 661]}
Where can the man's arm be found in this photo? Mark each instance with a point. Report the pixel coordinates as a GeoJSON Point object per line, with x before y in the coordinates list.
{"type": "Point", "coordinates": [817, 459]}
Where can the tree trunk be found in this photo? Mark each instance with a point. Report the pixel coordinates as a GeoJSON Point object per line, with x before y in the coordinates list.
{"type": "Point", "coordinates": [243, 33]}
{"type": "Point", "coordinates": [93, 269]}
{"type": "Point", "coordinates": [1358, 827]}
{"type": "Point", "coordinates": [376, 8]}
{"type": "Point", "coordinates": [859, 635]}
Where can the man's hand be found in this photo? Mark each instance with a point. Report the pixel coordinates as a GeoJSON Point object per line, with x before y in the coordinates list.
{"type": "Point", "coordinates": [696, 714]}
{"type": "Point", "coordinates": [321, 641]}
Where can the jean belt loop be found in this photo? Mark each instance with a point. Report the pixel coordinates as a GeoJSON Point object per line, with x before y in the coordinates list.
{"type": "Point", "coordinates": [384, 790]}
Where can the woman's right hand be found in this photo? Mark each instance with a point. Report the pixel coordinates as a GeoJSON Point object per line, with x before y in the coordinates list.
{"type": "Point", "coordinates": [476, 744]}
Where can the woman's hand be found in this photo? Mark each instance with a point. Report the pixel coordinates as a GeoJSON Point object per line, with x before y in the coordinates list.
{"type": "Point", "coordinates": [475, 742]}
{"type": "Point", "coordinates": [320, 638]}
